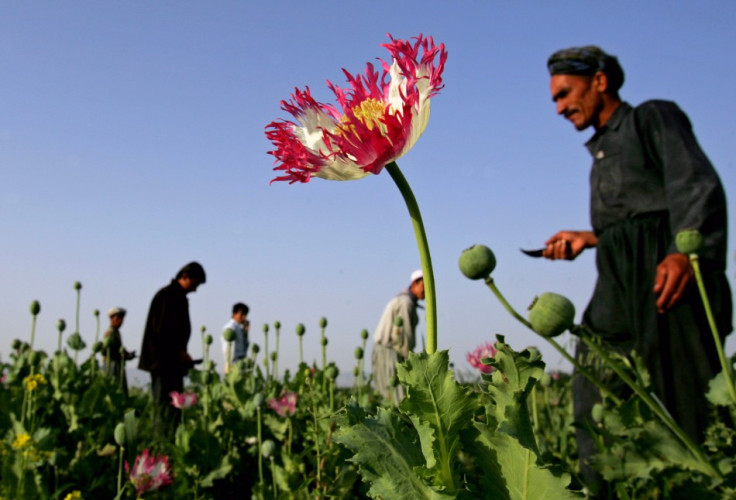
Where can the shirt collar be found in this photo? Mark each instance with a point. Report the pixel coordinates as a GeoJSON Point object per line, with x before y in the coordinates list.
{"type": "Point", "coordinates": [613, 123]}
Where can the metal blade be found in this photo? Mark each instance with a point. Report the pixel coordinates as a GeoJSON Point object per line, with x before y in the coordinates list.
{"type": "Point", "coordinates": [533, 253]}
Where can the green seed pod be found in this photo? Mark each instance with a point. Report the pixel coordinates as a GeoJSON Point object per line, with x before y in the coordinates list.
{"type": "Point", "coordinates": [356, 371]}
{"type": "Point", "coordinates": [208, 339]}
{"type": "Point", "coordinates": [120, 434]}
{"type": "Point", "coordinates": [16, 344]}
{"type": "Point", "coordinates": [107, 341]}
{"type": "Point", "coordinates": [274, 356]}
{"type": "Point", "coordinates": [35, 307]}
{"type": "Point", "coordinates": [75, 342]}
{"type": "Point", "coordinates": [399, 321]}
{"type": "Point", "coordinates": [77, 285]}
{"type": "Point", "coordinates": [477, 262]}
{"type": "Point", "coordinates": [689, 241]}
{"type": "Point", "coordinates": [322, 322]}
{"type": "Point", "coordinates": [255, 348]}
{"type": "Point", "coordinates": [203, 329]}
{"type": "Point", "coordinates": [300, 329]}
{"type": "Point", "coordinates": [364, 334]}
{"type": "Point", "coordinates": [258, 400]}
{"type": "Point", "coordinates": [61, 325]}
{"type": "Point", "coordinates": [277, 324]}
{"type": "Point", "coordinates": [229, 335]}
{"type": "Point", "coordinates": [268, 448]}
{"type": "Point", "coordinates": [358, 353]}
{"type": "Point", "coordinates": [265, 327]}
{"type": "Point", "coordinates": [97, 347]}
{"type": "Point", "coordinates": [96, 312]}
{"type": "Point", "coordinates": [551, 314]}
{"type": "Point", "coordinates": [597, 413]}
{"type": "Point", "coordinates": [331, 372]}
{"type": "Point", "coordinates": [323, 341]}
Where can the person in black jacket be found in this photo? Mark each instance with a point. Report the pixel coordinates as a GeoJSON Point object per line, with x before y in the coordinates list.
{"type": "Point", "coordinates": [649, 180]}
{"type": "Point", "coordinates": [164, 350]}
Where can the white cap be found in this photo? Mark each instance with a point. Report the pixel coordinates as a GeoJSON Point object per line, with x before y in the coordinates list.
{"type": "Point", "coordinates": [116, 310]}
{"type": "Point", "coordinates": [417, 275]}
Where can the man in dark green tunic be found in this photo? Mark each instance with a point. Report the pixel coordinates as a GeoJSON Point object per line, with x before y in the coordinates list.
{"type": "Point", "coordinates": [649, 180]}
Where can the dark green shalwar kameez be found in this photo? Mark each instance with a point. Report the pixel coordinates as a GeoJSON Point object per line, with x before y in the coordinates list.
{"type": "Point", "coordinates": [649, 180]}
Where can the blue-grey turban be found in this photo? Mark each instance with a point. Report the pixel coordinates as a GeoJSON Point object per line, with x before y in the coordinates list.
{"type": "Point", "coordinates": [587, 61]}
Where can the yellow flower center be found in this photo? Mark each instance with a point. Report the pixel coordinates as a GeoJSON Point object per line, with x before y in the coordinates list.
{"type": "Point", "coordinates": [32, 381]}
{"type": "Point", "coordinates": [369, 112]}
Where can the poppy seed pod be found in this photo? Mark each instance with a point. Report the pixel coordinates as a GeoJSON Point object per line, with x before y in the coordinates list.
{"type": "Point", "coordinates": [97, 347]}
{"type": "Point", "coordinates": [265, 327]}
{"type": "Point", "coordinates": [477, 262]}
{"type": "Point", "coordinates": [277, 324]}
{"type": "Point", "coordinates": [229, 335]}
{"type": "Point", "coordinates": [322, 322]}
{"type": "Point", "coordinates": [358, 353]}
{"type": "Point", "coordinates": [255, 348]}
{"type": "Point", "coordinates": [331, 372]}
{"type": "Point", "coordinates": [300, 329]}
{"type": "Point", "coordinates": [689, 241]}
{"type": "Point", "coordinates": [274, 356]}
{"type": "Point", "coordinates": [551, 314]}
{"type": "Point", "coordinates": [77, 285]}
{"type": "Point", "coordinates": [364, 334]}
{"type": "Point", "coordinates": [120, 434]}
{"type": "Point", "coordinates": [35, 307]}
{"type": "Point", "coordinates": [399, 321]}
{"type": "Point", "coordinates": [268, 448]}
{"type": "Point", "coordinates": [203, 329]}
{"type": "Point", "coordinates": [61, 325]}
{"type": "Point", "coordinates": [323, 340]}
{"type": "Point", "coordinates": [75, 342]}
{"type": "Point", "coordinates": [208, 339]}
{"type": "Point", "coordinates": [597, 413]}
{"type": "Point", "coordinates": [96, 312]}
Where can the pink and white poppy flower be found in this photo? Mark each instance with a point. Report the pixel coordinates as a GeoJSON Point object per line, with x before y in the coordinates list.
{"type": "Point", "coordinates": [486, 350]}
{"type": "Point", "coordinates": [150, 472]}
{"type": "Point", "coordinates": [381, 117]}
{"type": "Point", "coordinates": [284, 405]}
{"type": "Point", "coordinates": [183, 400]}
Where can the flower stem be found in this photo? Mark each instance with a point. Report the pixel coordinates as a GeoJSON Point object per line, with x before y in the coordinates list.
{"type": "Point", "coordinates": [649, 401]}
{"type": "Point", "coordinates": [578, 367]}
{"type": "Point", "coordinates": [421, 236]}
{"type": "Point", "coordinates": [695, 262]}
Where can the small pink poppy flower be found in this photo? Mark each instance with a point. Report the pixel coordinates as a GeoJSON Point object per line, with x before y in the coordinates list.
{"type": "Point", "coordinates": [284, 405]}
{"type": "Point", "coordinates": [183, 400]}
{"type": "Point", "coordinates": [486, 350]}
{"type": "Point", "coordinates": [149, 473]}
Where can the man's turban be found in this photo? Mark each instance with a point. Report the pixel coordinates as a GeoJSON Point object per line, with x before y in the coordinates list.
{"type": "Point", "coordinates": [587, 61]}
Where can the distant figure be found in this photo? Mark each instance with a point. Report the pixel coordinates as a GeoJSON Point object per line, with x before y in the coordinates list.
{"type": "Point", "coordinates": [392, 342]}
{"type": "Point", "coordinates": [240, 325]}
{"type": "Point", "coordinates": [164, 350]}
{"type": "Point", "coordinates": [115, 354]}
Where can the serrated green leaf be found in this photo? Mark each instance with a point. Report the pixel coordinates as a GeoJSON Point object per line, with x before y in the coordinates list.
{"type": "Point", "coordinates": [511, 383]}
{"type": "Point", "coordinates": [386, 454]}
{"type": "Point", "coordinates": [440, 408]}
{"type": "Point", "coordinates": [520, 477]}
{"type": "Point", "coordinates": [718, 393]}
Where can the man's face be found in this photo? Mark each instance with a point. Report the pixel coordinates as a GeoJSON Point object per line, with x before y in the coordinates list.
{"type": "Point", "coordinates": [189, 284]}
{"type": "Point", "coordinates": [240, 317]}
{"type": "Point", "coordinates": [116, 320]}
{"type": "Point", "coordinates": [577, 98]}
{"type": "Point", "coordinates": [417, 288]}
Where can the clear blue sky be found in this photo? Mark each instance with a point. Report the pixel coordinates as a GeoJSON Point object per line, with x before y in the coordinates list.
{"type": "Point", "coordinates": [132, 141]}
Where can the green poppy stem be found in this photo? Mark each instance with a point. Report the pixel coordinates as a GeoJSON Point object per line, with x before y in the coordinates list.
{"type": "Point", "coordinates": [727, 369]}
{"type": "Point", "coordinates": [421, 236]}
{"type": "Point", "coordinates": [657, 408]}
{"type": "Point", "coordinates": [578, 367]}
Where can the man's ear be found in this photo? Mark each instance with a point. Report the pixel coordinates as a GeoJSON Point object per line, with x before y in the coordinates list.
{"type": "Point", "coordinates": [600, 82]}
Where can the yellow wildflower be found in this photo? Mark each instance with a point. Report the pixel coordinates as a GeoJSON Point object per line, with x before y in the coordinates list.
{"type": "Point", "coordinates": [21, 441]}
{"type": "Point", "coordinates": [33, 381]}
{"type": "Point", "coordinates": [74, 495]}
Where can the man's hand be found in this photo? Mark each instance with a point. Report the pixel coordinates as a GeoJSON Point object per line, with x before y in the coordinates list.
{"type": "Point", "coordinates": [673, 275]}
{"type": "Point", "coordinates": [569, 244]}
